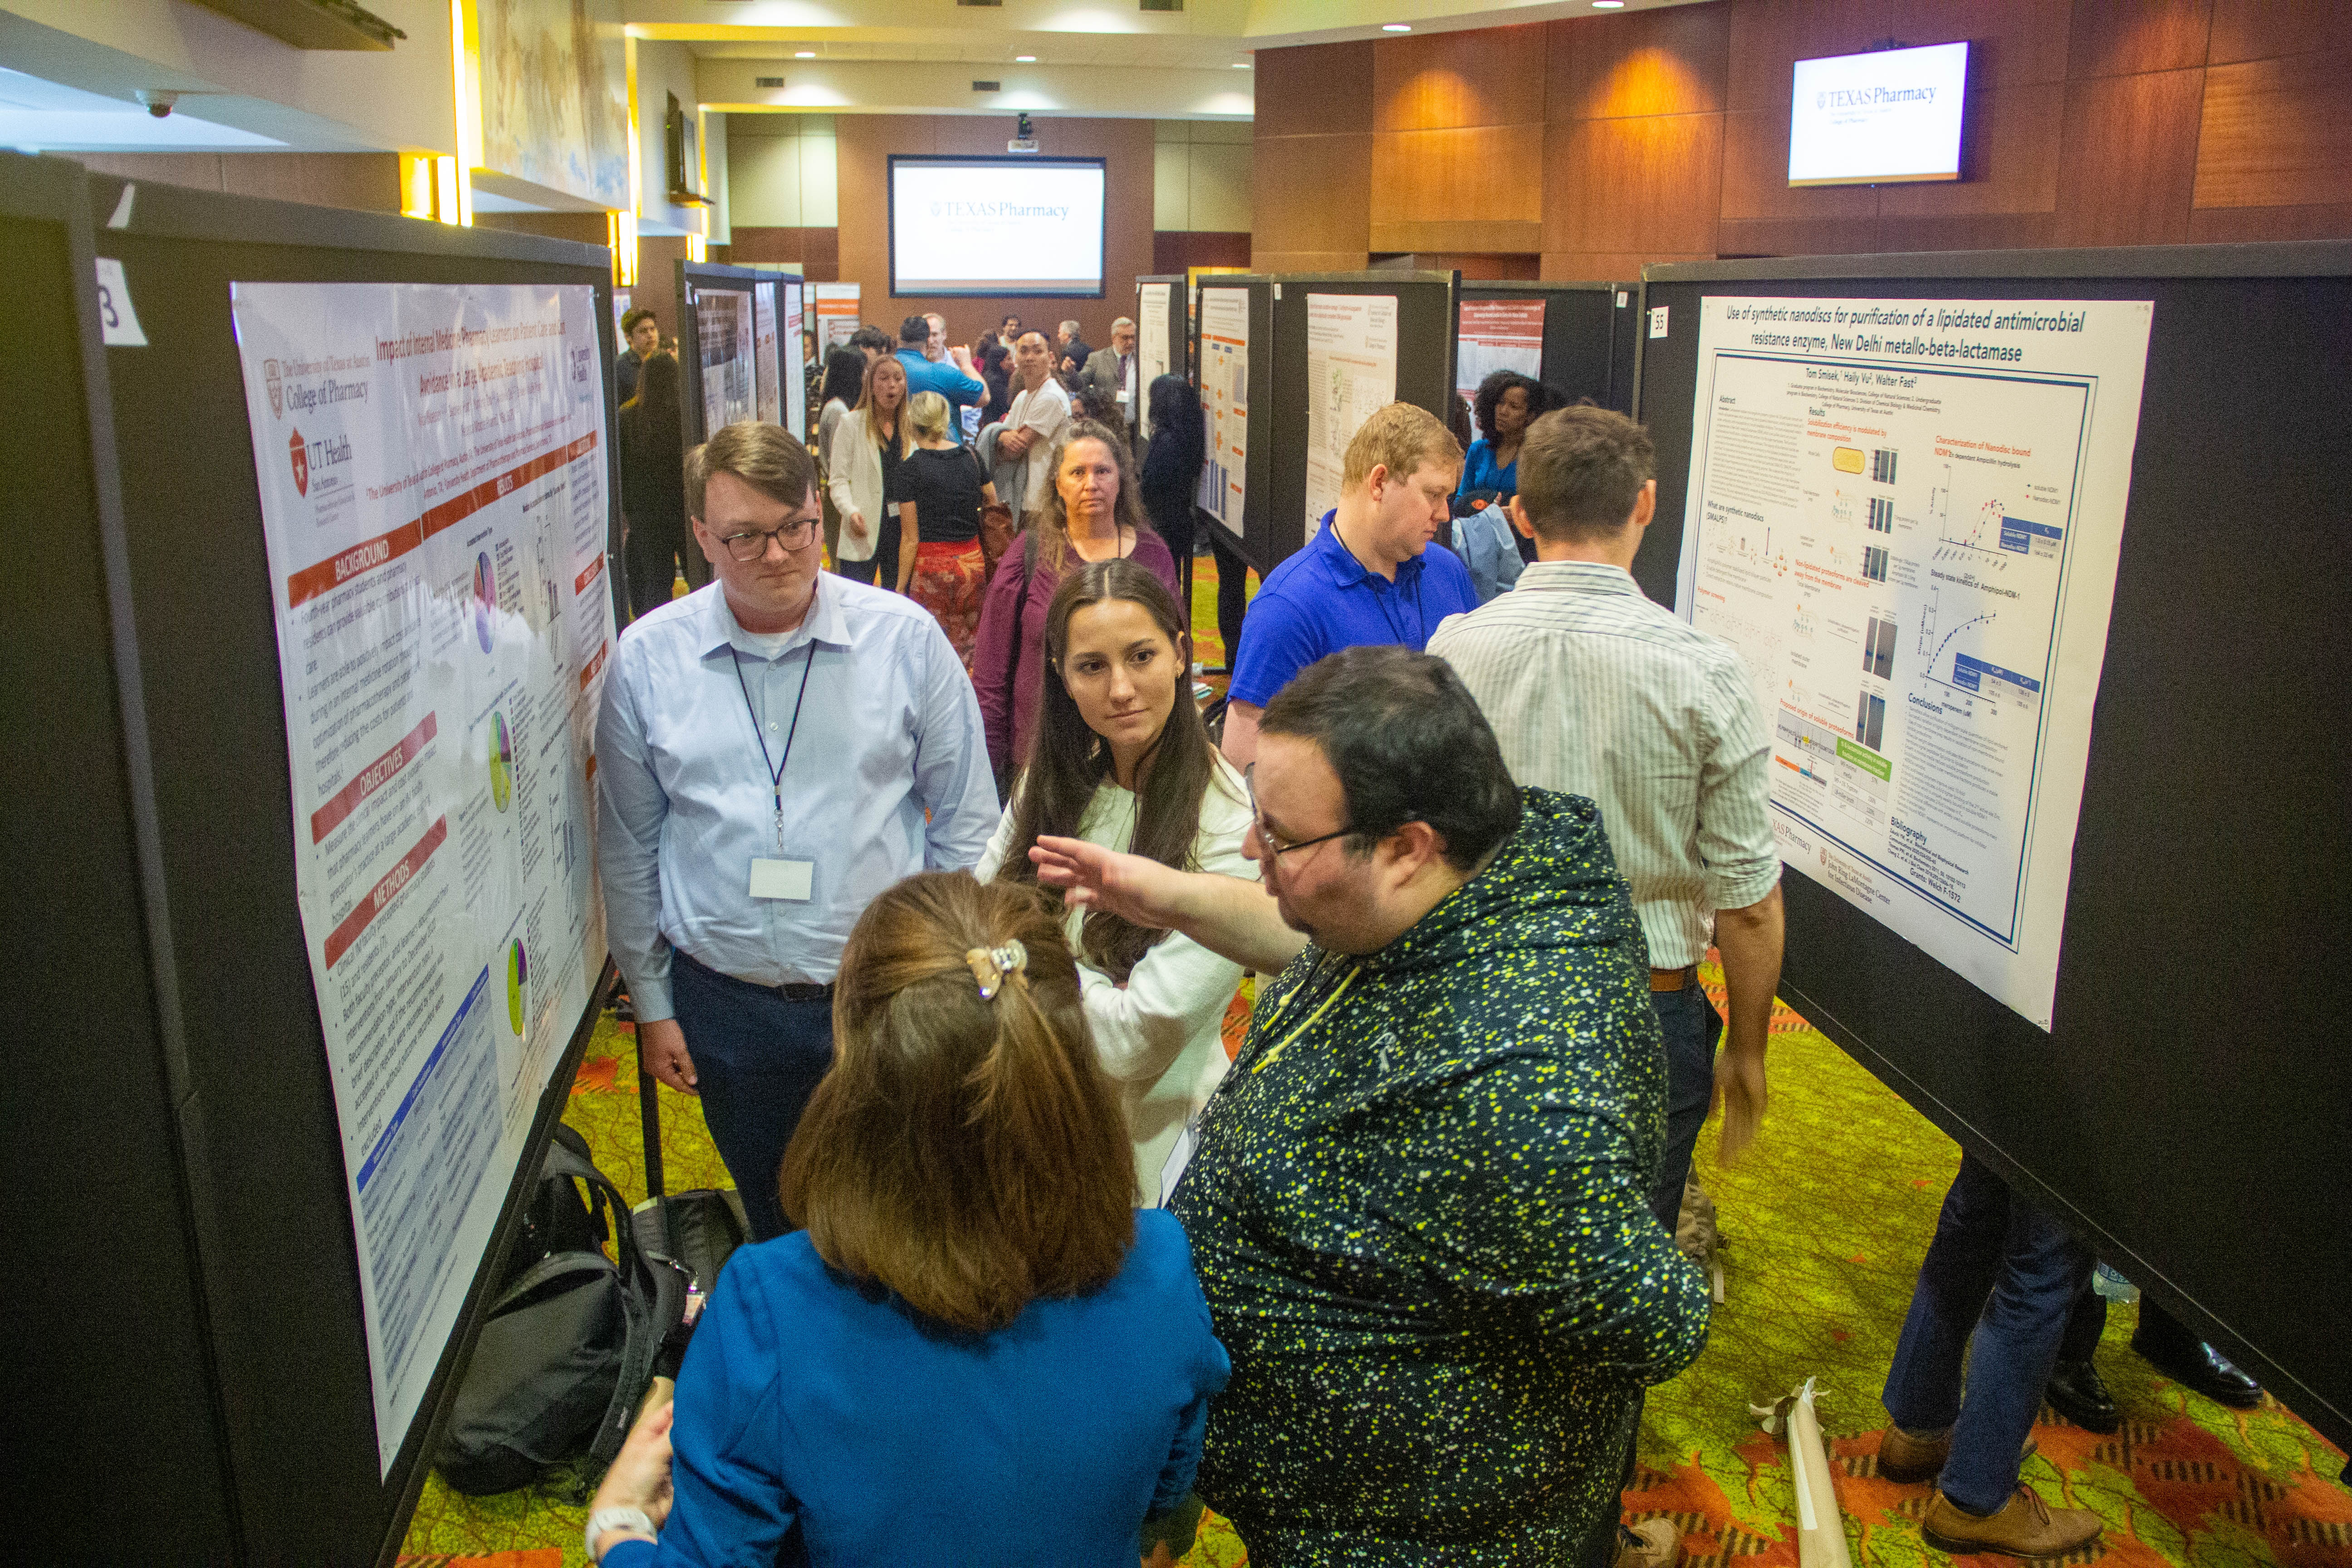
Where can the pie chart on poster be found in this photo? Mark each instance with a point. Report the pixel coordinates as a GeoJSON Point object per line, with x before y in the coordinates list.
{"type": "Point", "coordinates": [501, 762]}
{"type": "Point", "coordinates": [486, 595]}
{"type": "Point", "coordinates": [518, 972]}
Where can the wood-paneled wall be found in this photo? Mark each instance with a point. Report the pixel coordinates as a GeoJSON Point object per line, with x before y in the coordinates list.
{"type": "Point", "coordinates": [865, 143]}
{"type": "Point", "coordinates": [1604, 142]}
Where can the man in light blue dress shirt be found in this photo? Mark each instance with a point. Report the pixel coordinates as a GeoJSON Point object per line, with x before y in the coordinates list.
{"type": "Point", "coordinates": [774, 750]}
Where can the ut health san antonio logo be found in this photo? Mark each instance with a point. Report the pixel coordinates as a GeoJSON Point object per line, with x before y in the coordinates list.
{"type": "Point", "coordinates": [277, 389]}
{"type": "Point", "coordinates": [300, 456]}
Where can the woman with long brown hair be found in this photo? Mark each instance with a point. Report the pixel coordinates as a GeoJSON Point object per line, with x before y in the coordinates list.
{"type": "Point", "coordinates": [1092, 511]}
{"type": "Point", "coordinates": [862, 474]}
{"type": "Point", "coordinates": [1121, 758]}
{"type": "Point", "coordinates": [974, 1339]}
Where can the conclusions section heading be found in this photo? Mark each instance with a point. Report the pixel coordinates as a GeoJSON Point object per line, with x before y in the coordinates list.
{"type": "Point", "coordinates": [1018, 225]}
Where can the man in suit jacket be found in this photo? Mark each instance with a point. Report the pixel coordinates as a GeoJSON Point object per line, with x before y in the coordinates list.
{"type": "Point", "coordinates": [1110, 372]}
{"type": "Point", "coordinates": [1070, 351]}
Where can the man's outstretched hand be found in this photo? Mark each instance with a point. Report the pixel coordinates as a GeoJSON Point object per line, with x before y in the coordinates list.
{"type": "Point", "coordinates": [1132, 886]}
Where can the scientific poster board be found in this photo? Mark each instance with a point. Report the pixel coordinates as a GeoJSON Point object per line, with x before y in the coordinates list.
{"type": "Point", "coordinates": [1225, 354]}
{"type": "Point", "coordinates": [2177, 1073]}
{"type": "Point", "coordinates": [432, 469]}
{"type": "Point", "coordinates": [1351, 343]}
{"type": "Point", "coordinates": [1497, 334]}
{"type": "Point", "coordinates": [723, 354]}
{"type": "Point", "coordinates": [1341, 345]}
{"type": "Point", "coordinates": [837, 315]}
{"type": "Point", "coordinates": [1153, 333]}
{"type": "Point", "coordinates": [767, 354]}
{"type": "Point", "coordinates": [1906, 516]}
{"type": "Point", "coordinates": [255, 1145]}
{"type": "Point", "coordinates": [1585, 335]}
{"type": "Point", "coordinates": [789, 292]}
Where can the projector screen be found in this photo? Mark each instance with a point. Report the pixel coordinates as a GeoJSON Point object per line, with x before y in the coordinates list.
{"type": "Point", "coordinates": [1882, 118]}
{"type": "Point", "coordinates": [997, 226]}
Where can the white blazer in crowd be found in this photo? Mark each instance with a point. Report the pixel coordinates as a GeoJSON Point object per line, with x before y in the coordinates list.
{"type": "Point", "coordinates": [1159, 1036]}
{"type": "Point", "coordinates": [853, 465]}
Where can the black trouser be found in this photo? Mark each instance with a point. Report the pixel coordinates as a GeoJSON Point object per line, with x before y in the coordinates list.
{"type": "Point", "coordinates": [658, 547]}
{"type": "Point", "coordinates": [1232, 592]}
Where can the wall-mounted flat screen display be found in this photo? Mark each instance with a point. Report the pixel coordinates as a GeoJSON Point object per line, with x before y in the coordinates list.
{"type": "Point", "coordinates": [1017, 224]}
{"type": "Point", "coordinates": [1882, 118]}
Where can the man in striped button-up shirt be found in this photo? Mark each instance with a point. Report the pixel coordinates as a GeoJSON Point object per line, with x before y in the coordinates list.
{"type": "Point", "coordinates": [1595, 690]}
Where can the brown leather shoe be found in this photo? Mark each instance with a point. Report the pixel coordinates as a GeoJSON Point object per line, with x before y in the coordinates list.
{"type": "Point", "coordinates": [2025, 1527]}
{"type": "Point", "coordinates": [1652, 1543]}
{"type": "Point", "coordinates": [1903, 1457]}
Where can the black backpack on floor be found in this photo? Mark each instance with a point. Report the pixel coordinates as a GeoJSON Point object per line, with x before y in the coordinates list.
{"type": "Point", "coordinates": [568, 1345]}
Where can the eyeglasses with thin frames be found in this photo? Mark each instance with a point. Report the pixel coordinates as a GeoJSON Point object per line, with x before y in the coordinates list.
{"type": "Point", "coordinates": [753, 544]}
{"type": "Point", "coordinates": [1275, 846]}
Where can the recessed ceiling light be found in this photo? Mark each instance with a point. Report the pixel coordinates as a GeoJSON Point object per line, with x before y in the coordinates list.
{"type": "Point", "coordinates": [1025, 60]}
{"type": "Point", "coordinates": [1396, 27]}
{"type": "Point", "coordinates": [1241, 64]}
{"type": "Point", "coordinates": [1609, 4]}
{"type": "Point", "coordinates": [804, 54]}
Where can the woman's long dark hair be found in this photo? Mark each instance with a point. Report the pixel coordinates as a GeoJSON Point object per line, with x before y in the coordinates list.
{"type": "Point", "coordinates": [1068, 761]}
{"type": "Point", "coordinates": [657, 385]}
{"type": "Point", "coordinates": [844, 377]}
{"type": "Point", "coordinates": [1176, 416]}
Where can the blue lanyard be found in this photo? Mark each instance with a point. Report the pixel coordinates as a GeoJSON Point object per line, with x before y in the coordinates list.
{"type": "Point", "coordinates": [775, 769]}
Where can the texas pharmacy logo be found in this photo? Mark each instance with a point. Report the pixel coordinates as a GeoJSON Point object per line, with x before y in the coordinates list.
{"type": "Point", "coordinates": [277, 389]}
{"type": "Point", "coordinates": [300, 456]}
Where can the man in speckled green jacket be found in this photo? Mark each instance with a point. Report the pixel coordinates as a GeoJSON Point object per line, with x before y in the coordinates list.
{"type": "Point", "coordinates": [1419, 1201]}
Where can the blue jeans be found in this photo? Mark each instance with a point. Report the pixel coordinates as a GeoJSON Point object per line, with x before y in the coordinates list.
{"type": "Point", "coordinates": [1692, 1028]}
{"type": "Point", "coordinates": [756, 1059]}
{"type": "Point", "coordinates": [2001, 1272]}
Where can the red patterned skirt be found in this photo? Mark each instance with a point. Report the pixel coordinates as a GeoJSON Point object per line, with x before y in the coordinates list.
{"type": "Point", "coordinates": [951, 580]}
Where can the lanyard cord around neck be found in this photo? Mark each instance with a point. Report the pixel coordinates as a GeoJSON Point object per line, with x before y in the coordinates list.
{"type": "Point", "coordinates": [1290, 1005]}
{"type": "Point", "coordinates": [775, 769]}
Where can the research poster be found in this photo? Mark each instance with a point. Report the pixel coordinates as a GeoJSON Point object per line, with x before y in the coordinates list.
{"type": "Point", "coordinates": [795, 359]}
{"type": "Point", "coordinates": [1225, 389]}
{"type": "Point", "coordinates": [1497, 334]}
{"type": "Point", "coordinates": [837, 315]}
{"type": "Point", "coordinates": [432, 465]}
{"type": "Point", "coordinates": [1150, 336]}
{"type": "Point", "coordinates": [723, 334]}
{"type": "Point", "coordinates": [1906, 514]}
{"type": "Point", "coordinates": [767, 354]}
{"type": "Point", "coordinates": [1351, 343]}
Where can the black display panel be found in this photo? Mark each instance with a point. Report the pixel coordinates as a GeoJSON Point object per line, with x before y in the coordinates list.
{"type": "Point", "coordinates": [267, 1226]}
{"type": "Point", "coordinates": [1588, 336]}
{"type": "Point", "coordinates": [1425, 376]}
{"type": "Point", "coordinates": [2187, 1110]}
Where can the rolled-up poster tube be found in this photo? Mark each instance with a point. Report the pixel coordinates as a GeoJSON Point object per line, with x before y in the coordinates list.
{"type": "Point", "coordinates": [1821, 1528]}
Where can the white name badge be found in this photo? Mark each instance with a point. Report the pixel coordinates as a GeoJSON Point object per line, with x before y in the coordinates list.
{"type": "Point", "coordinates": [789, 879]}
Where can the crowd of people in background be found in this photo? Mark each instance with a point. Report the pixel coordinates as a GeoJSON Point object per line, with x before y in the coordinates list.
{"type": "Point", "coordinates": [931, 877]}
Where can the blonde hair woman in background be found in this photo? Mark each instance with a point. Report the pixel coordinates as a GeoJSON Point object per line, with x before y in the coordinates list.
{"type": "Point", "coordinates": [942, 488]}
{"type": "Point", "coordinates": [862, 469]}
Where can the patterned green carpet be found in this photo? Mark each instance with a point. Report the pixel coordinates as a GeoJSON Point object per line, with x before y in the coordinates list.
{"type": "Point", "coordinates": [1824, 1223]}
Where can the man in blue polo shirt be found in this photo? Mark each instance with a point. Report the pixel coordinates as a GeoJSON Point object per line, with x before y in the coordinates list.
{"type": "Point", "coordinates": [952, 379]}
{"type": "Point", "coordinates": [1367, 576]}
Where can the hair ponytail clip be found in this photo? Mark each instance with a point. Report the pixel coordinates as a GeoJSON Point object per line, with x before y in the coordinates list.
{"type": "Point", "coordinates": [993, 966]}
